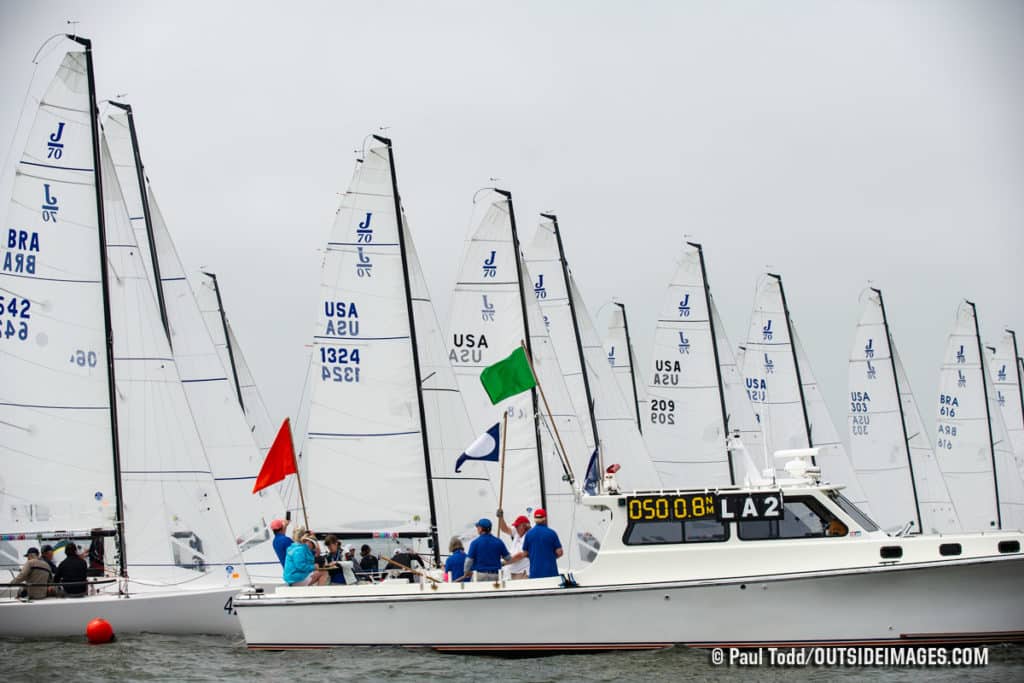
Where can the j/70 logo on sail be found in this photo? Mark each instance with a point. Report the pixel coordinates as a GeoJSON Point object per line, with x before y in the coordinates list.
{"type": "Point", "coordinates": [684, 306]}
{"type": "Point", "coordinates": [872, 373]}
{"type": "Point", "coordinates": [684, 343]}
{"type": "Point", "coordinates": [487, 312]}
{"type": "Point", "coordinates": [1001, 375]}
{"type": "Point", "coordinates": [538, 288]}
{"type": "Point", "coordinates": [50, 207]}
{"type": "Point", "coordinates": [961, 357]}
{"type": "Point", "coordinates": [364, 267]}
{"type": "Point", "coordinates": [769, 365]}
{"type": "Point", "coordinates": [611, 356]}
{"type": "Point", "coordinates": [54, 147]}
{"type": "Point", "coordinates": [490, 269]}
{"type": "Point", "coordinates": [869, 349]}
{"type": "Point", "coordinates": [766, 331]}
{"type": "Point", "coordinates": [364, 233]}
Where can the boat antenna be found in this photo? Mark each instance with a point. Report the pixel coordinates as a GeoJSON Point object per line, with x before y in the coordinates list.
{"type": "Point", "coordinates": [417, 374]}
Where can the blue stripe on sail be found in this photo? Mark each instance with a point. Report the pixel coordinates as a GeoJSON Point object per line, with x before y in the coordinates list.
{"type": "Point", "coordinates": [62, 168]}
{"type": "Point", "coordinates": [32, 405]}
{"type": "Point", "coordinates": [205, 379]}
{"type": "Point", "coordinates": [362, 244]}
{"type": "Point", "coordinates": [233, 478]}
{"type": "Point", "coordinates": [360, 338]}
{"type": "Point", "coordinates": [53, 279]}
{"type": "Point", "coordinates": [334, 434]}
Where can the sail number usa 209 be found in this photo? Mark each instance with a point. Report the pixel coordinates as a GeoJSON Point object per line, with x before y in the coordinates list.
{"type": "Point", "coordinates": [723, 507]}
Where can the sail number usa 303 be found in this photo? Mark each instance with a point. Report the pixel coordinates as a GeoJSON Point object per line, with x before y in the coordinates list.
{"type": "Point", "coordinates": [723, 506]}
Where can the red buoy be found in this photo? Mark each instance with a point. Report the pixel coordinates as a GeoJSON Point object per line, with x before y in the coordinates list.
{"type": "Point", "coordinates": [99, 631]}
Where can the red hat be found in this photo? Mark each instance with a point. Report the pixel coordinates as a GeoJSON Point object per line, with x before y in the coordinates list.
{"type": "Point", "coordinates": [521, 519]}
{"type": "Point", "coordinates": [278, 524]}
{"type": "Point", "coordinates": [540, 513]}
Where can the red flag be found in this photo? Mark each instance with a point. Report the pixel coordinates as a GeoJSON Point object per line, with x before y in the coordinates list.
{"type": "Point", "coordinates": [280, 460]}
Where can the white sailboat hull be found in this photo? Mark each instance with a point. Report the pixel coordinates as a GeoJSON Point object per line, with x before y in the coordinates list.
{"type": "Point", "coordinates": [171, 611]}
{"type": "Point", "coordinates": [936, 602]}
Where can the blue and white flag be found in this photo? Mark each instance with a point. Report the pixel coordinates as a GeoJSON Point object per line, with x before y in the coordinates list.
{"type": "Point", "coordinates": [484, 448]}
{"type": "Point", "coordinates": [593, 477]}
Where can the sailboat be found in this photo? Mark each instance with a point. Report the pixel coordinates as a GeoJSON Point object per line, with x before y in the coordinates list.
{"type": "Point", "coordinates": [225, 434]}
{"type": "Point", "coordinates": [491, 315]}
{"type": "Point", "coordinates": [891, 452]}
{"type": "Point", "coordinates": [619, 346]}
{"type": "Point", "coordinates": [785, 396]}
{"type": "Point", "coordinates": [972, 445]}
{"type": "Point", "coordinates": [603, 412]}
{"type": "Point", "coordinates": [98, 437]}
{"type": "Point", "coordinates": [1008, 383]}
{"type": "Point", "coordinates": [696, 398]}
{"type": "Point", "coordinates": [385, 418]}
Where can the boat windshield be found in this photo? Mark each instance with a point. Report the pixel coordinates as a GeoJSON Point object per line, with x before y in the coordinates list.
{"type": "Point", "coordinates": [849, 508]}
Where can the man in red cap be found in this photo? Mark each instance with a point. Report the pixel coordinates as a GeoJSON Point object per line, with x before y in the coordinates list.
{"type": "Point", "coordinates": [520, 569]}
{"type": "Point", "coordinates": [281, 539]}
{"type": "Point", "coordinates": [542, 546]}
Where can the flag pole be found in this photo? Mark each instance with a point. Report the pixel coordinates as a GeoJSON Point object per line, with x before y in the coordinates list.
{"type": "Point", "coordinates": [298, 477]}
{"type": "Point", "coordinates": [558, 437]}
{"type": "Point", "coordinates": [501, 484]}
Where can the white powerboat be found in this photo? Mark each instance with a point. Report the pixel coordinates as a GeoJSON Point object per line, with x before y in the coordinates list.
{"type": "Point", "coordinates": [790, 563]}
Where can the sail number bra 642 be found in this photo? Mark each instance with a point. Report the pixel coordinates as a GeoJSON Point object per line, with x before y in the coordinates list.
{"type": "Point", "coordinates": [719, 506]}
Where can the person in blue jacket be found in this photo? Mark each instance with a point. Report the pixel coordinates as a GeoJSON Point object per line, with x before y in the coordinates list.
{"type": "Point", "coordinates": [455, 565]}
{"type": "Point", "coordinates": [485, 553]}
{"type": "Point", "coordinates": [300, 564]}
{"type": "Point", "coordinates": [542, 546]}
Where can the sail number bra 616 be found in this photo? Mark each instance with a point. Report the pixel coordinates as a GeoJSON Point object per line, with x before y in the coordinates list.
{"type": "Point", "coordinates": [723, 507]}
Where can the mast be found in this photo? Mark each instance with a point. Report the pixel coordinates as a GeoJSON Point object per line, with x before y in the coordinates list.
{"type": "Point", "coordinates": [1020, 389]}
{"type": "Point", "coordinates": [227, 337]}
{"type": "Point", "coordinates": [579, 342]}
{"type": "Point", "coordinates": [899, 402]}
{"type": "Point", "coordinates": [988, 411]}
{"type": "Point", "coordinates": [147, 216]}
{"type": "Point", "coordinates": [632, 370]}
{"type": "Point", "coordinates": [101, 226]}
{"type": "Point", "coordinates": [529, 342]}
{"type": "Point", "coordinates": [714, 346]}
{"type": "Point", "coordinates": [417, 376]}
{"type": "Point", "coordinates": [796, 363]}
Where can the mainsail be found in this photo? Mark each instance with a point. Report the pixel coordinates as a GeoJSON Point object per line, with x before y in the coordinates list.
{"type": "Point", "coordinates": [784, 393]}
{"type": "Point", "coordinates": [1006, 382]}
{"type": "Point", "coordinates": [891, 453]}
{"type": "Point", "coordinates": [491, 315]}
{"type": "Point", "coordinates": [607, 418]}
{"type": "Point", "coordinates": [972, 445]}
{"type": "Point", "coordinates": [688, 430]}
{"type": "Point", "coordinates": [619, 347]}
{"type": "Point", "coordinates": [379, 432]}
{"type": "Point", "coordinates": [227, 439]}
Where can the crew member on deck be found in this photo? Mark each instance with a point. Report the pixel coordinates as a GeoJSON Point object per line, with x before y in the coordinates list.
{"type": "Point", "coordinates": [485, 553]}
{"type": "Point", "coordinates": [542, 546]}
{"type": "Point", "coordinates": [520, 569]}
{"type": "Point", "coordinates": [35, 574]}
{"type": "Point", "coordinates": [300, 564]}
{"type": "Point", "coordinates": [281, 540]}
{"type": "Point", "coordinates": [71, 573]}
{"type": "Point", "coordinates": [455, 565]}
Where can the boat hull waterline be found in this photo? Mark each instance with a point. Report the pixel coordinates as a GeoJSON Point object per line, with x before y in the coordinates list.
{"type": "Point", "coordinates": [166, 610]}
{"type": "Point", "coordinates": [927, 603]}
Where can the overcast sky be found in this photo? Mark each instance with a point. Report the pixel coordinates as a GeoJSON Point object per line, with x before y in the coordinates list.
{"type": "Point", "coordinates": [837, 141]}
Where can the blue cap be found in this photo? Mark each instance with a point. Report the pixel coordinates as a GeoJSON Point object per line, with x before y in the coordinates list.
{"type": "Point", "coordinates": [484, 523]}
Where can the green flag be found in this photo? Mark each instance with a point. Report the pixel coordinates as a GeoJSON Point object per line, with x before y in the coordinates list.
{"type": "Point", "coordinates": [508, 377]}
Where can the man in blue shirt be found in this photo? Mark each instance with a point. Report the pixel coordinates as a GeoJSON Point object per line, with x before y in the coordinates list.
{"type": "Point", "coordinates": [485, 553]}
{"type": "Point", "coordinates": [281, 539]}
{"type": "Point", "coordinates": [542, 546]}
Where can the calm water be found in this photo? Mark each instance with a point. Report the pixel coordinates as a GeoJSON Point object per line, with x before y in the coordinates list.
{"type": "Point", "coordinates": [151, 657]}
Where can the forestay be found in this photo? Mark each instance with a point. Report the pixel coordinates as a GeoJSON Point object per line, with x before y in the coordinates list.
{"type": "Point", "coordinates": [892, 457]}
{"type": "Point", "coordinates": [175, 516]}
{"type": "Point", "coordinates": [619, 347]}
{"type": "Point", "coordinates": [55, 423]}
{"type": "Point", "coordinates": [234, 458]}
